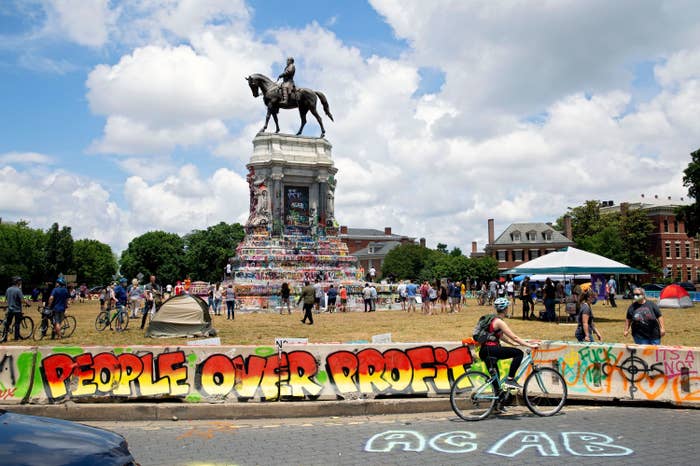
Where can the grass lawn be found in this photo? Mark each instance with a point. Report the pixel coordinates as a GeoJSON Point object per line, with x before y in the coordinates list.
{"type": "Point", "coordinates": [262, 328]}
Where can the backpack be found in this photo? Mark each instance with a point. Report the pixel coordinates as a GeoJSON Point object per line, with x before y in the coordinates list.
{"type": "Point", "coordinates": [481, 332]}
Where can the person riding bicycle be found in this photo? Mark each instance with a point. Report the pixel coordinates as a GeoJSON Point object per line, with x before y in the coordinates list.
{"type": "Point", "coordinates": [58, 303]}
{"type": "Point", "coordinates": [492, 348]}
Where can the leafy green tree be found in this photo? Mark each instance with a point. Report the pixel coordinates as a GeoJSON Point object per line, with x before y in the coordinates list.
{"type": "Point", "coordinates": [155, 252]}
{"type": "Point", "coordinates": [483, 268]}
{"type": "Point", "coordinates": [95, 264]}
{"type": "Point", "coordinates": [405, 261]}
{"type": "Point", "coordinates": [22, 252]}
{"type": "Point", "coordinates": [624, 238]}
{"type": "Point", "coordinates": [207, 251]}
{"type": "Point", "coordinates": [690, 214]}
{"type": "Point", "coordinates": [59, 251]}
{"type": "Point", "coordinates": [442, 248]}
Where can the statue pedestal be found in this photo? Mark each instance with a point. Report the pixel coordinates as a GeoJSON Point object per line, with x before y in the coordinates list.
{"type": "Point", "coordinates": [291, 233]}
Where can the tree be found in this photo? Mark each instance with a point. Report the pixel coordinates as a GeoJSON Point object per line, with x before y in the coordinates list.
{"type": "Point", "coordinates": [690, 214]}
{"type": "Point", "coordinates": [623, 238]}
{"type": "Point", "coordinates": [22, 253]}
{"type": "Point", "coordinates": [207, 251]}
{"type": "Point", "coordinates": [95, 263]}
{"type": "Point", "coordinates": [59, 252]}
{"type": "Point", "coordinates": [155, 253]}
{"type": "Point", "coordinates": [405, 261]}
{"type": "Point", "coordinates": [483, 268]}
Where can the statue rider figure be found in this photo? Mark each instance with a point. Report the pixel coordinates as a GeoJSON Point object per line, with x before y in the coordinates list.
{"type": "Point", "coordinates": [287, 78]}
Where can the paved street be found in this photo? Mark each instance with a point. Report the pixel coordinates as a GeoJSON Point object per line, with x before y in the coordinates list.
{"type": "Point", "coordinates": [582, 435]}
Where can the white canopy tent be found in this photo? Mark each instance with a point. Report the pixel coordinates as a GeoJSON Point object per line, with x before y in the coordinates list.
{"type": "Point", "coordinates": [572, 261]}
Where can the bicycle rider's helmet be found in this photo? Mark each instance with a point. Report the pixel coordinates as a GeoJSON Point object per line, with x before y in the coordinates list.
{"type": "Point", "coordinates": [501, 304]}
{"type": "Point", "coordinates": [61, 281]}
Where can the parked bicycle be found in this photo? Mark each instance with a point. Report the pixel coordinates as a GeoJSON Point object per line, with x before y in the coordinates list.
{"type": "Point", "coordinates": [26, 327]}
{"type": "Point", "coordinates": [474, 394]}
{"type": "Point", "coordinates": [42, 331]}
{"type": "Point", "coordinates": [103, 319]}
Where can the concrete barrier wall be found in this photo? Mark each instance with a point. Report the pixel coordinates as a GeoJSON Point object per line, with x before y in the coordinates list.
{"type": "Point", "coordinates": [325, 372]}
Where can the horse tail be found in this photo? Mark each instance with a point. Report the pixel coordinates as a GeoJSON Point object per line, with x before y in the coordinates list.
{"type": "Point", "coordinates": [324, 102]}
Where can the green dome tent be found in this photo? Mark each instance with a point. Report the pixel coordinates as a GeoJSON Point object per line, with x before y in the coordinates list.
{"type": "Point", "coordinates": [181, 316]}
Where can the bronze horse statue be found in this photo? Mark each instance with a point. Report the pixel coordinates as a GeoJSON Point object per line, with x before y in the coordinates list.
{"type": "Point", "coordinates": [302, 98]}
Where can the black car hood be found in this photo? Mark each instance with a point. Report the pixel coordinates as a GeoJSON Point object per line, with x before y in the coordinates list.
{"type": "Point", "coordinates": [34, 440]}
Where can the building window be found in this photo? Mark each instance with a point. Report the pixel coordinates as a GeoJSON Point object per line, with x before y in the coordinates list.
{"type": "Point", "coordinates": [675, 226]}
{"type": "Point", "coordinates": [665, 226]}
{"type": "Point", "coordinates": [668, 249]}
{"type": "Point", "coordinates": [697, 254]}
{"type": "Point", "coordinates": [678, 250]}
{"type": "Point", "coordinates": [531, 236]}
{"type": "Point", "coordinates": [547, 235]}
{"type": "Point", "coordinates": [689, 273]}
{"type": "Point", "coordinates": [501, 255]}
{"type": "Point", "coordinates": [518, 255]}
{"type": "Point", "coordinates": [534, 253]}
{"type": "Point", "coordinates": [515, 236]}
{"type": "Point", "coordinates": [687, 250]}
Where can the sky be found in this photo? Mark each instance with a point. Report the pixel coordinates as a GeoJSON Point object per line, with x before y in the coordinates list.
{"type": "Point", "coordinates": [122, 117]}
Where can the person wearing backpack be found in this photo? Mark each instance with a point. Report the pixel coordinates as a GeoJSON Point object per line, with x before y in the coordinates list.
{"type": "Point", "coordinates": [491, 348]}
{"type": "Point", "coordinates": [585, 329]}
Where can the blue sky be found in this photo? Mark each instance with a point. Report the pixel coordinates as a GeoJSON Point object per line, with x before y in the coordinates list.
{"type": "Point", "coordinates": [124, 117]}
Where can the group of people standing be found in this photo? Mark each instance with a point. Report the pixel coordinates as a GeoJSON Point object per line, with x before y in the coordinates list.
{"type": "Point", "coordinates": [448, 295]}
{"type": "Point", "coordinates": [218, 293]}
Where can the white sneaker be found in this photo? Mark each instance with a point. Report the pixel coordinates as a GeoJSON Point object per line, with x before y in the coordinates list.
{"type": "Point", "coordinates": [510, 383]}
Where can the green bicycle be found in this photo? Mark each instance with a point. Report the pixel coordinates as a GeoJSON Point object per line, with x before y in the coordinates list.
{"type": "Point", "coordinates": [103, 319]}
{"type": "Point", "coordinates": [474, 395]}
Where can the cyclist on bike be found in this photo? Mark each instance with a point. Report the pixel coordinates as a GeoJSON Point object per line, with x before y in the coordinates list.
{"type": "Point", "coordinates": [120, 297]}
{"type": "Point", "coordinates": [58, 303]}
{"type": "Point", "coordinates": [492, 348]}
{"type": "Point", "coordinates": [14, 298]}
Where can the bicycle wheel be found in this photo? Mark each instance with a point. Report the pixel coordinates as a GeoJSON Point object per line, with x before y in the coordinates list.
{"type": "Point", "coordinates": [124, 319]}
{"type": "Point", "coordinates": [26, 327]}
{"type": "Point", "coordinates": [101, 321]}
{"type": "Point", "coordinates": [545, 391]}
{"type": "Point", "coordinates": [67, 326]}
{"type": "Point", "coordinates": [473, 396]}
{"type": "Point", "coordinates": [41, 330]}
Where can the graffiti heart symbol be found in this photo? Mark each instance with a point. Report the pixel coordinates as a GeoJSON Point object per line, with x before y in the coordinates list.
{"type": "Point", "coordinates": [652, 387]}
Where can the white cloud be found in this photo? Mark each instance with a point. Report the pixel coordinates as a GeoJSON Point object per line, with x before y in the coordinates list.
{"type": "Point", "coordinates": [536, 113]}
{"type": "Point", "coordinates": [26, 158]}
{"type": "Point", "coordinates": [85, 22]}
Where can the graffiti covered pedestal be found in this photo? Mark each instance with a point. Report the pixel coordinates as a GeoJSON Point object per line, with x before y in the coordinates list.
{"type": "Point", "coordinates": [291, 232]}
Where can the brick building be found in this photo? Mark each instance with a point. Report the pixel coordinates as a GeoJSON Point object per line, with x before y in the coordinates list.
{"type": "Point", "coordinates": [371, 246]}
{"type": "Point", "coordinates": [675, 251]}
{"type": "Point", "coordinates": [522, 242]}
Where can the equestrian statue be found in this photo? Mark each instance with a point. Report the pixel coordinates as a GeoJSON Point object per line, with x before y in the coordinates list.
{"type": "Point", "coordinates": [287, 96]}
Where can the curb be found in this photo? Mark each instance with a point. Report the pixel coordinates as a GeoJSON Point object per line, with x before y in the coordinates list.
{"type": "Point", "coordinates": [191, 411]}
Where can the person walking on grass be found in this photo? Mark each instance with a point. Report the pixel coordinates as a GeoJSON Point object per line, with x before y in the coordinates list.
{"type": "Point", "coordinates": [284, 298]}
{"type": "Point", "coordinates": [645, 320]}
{"type": "Point", "coordinates": [14, 299]}
{"type": "Point", "coordinates": [230, 298]}
{"type": "Point", "coordinates": [586, 328]}
{"type": "Point", "coordinates": [308, 296]}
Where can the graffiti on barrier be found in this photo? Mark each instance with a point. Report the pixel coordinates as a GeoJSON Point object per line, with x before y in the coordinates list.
{"type": "Point", "coordinates": [268, 376]}
{"type": "Point", "coordinates": [512, 445]}
{"type": "Point", "coordinates": [287, 371]}
{"type": "Point", "coordinates": [644, 372]}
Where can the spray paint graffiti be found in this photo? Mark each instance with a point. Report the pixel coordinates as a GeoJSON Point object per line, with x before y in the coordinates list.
{"type": "Point", "coordinates": [414, 371]}
{"type": "Point", "coordinates": [619, 371]}
{"type": "Point", "coordinates": [512, 445]}
{"type": "Point", "coordinates": [327, 372]}
{"type": "Point", "coordinates": [263, 375]}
